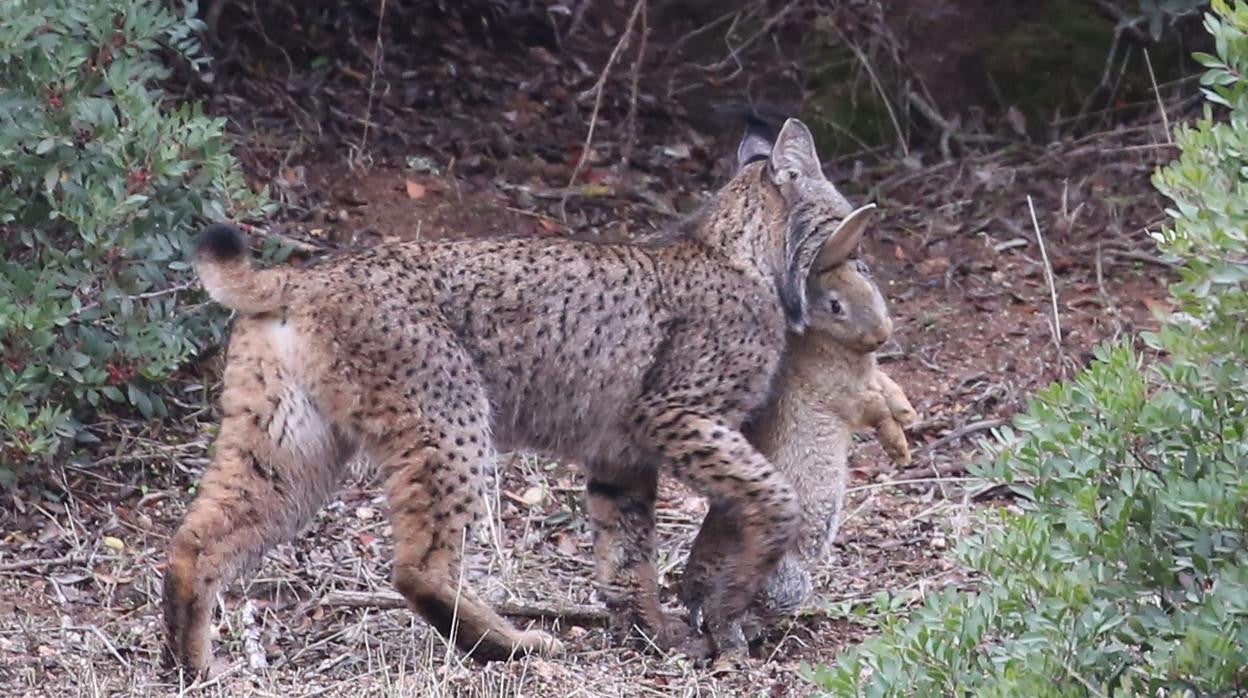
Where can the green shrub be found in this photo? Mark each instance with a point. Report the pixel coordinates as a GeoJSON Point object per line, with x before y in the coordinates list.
{"type": "Point", "coordinates": [100, 185]}
{"type": "Point", "coordinates": [1128, 572]}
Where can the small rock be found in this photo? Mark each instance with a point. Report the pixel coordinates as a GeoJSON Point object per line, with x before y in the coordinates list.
{"type": "Point", "coordinates": [939, 543]}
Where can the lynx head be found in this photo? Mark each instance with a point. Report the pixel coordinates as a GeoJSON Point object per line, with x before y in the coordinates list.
{"type": "Point", "coordinates": [818, 221]}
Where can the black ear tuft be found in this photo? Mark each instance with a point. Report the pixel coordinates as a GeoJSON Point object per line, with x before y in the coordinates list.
{"type": "Point", "coordinates": [221, 242]}
{"type": "Point", "coordinates": [793, 301]}
{"type": "Point", "coordinates": [757, 142]}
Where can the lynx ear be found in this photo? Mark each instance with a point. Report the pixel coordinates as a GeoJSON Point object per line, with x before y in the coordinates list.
{"type": "Point", "coordinates": [756, 144]}
{"type": "Point", "coordinates": [794, 153]}
{"type": "Point", "coordinates": [840, 245]}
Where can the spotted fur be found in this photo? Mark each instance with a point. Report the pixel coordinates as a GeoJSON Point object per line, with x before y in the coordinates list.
{"type": "Point", "coordinates": [432, 356]}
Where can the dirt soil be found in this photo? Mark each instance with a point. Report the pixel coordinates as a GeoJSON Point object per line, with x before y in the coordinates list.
{"type": "Point", "coordinates": [469, 138]}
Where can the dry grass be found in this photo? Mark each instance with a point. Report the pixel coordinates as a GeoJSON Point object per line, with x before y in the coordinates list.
{"type": "Point", "coordinates": [85, 620]}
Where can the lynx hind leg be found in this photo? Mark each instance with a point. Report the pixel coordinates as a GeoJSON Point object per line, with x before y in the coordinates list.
{"type": "Point", "coordinates": [718, 461]}
{"type": "Point", "coordinates": [621, 514]}
{"type": "Point", "coordinates": [433, 444]}
{"type": "Point", "coordinates": [434, 493]}
{"type": "Point", "coordinates": [276, 460]}
{"type": "Point", "coordinates": [898, 404]}
{"type": "Point", "coordinates": [876, 414]}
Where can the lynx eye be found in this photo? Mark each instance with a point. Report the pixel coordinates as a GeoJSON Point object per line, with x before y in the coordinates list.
{"type": "Point", "coordinates": [861, 266]}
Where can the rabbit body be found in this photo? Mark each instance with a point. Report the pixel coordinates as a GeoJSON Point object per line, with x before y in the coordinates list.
{"type": "Point", "coordinates": [829, 387]}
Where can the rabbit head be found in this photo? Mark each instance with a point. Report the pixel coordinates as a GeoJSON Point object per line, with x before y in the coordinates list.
{"type": "Point", "coordinates": [845, 304]}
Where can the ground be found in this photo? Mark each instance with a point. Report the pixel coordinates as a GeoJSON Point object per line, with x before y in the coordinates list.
{"type": "Point", "coordinates": [960, 251]}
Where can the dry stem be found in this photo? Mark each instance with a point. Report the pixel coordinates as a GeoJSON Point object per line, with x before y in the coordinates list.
{"type": "Point", "coordinates": [1048, 276]}
{"type": "Point", "coordinates": [597, 90]}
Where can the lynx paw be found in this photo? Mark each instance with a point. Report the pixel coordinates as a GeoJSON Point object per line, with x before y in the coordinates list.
{"type": "Point", "coordinates": [731, 661]}
{"type": "Point", "coordinates": [697, 647]}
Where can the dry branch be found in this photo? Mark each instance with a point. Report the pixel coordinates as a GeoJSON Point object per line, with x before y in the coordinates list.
{"type": "Point", "coordinates": [575, 613]}
{"type": "Point", "coordinates": [1048, 276]}
{"type": "Point", "coordinates": [961, 432]}
{"type": "Point", "coordinates": [597, 90]}
{"type": "Point", "coordinates": [50, 562]}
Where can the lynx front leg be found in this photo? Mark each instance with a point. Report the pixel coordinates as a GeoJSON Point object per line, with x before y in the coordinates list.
{"type": "Point", "coordinates": [718, 461]}
{"type": "Point", "coordinates": [621, 513]}
{"type": "Point", "coordinates": [716, 539]}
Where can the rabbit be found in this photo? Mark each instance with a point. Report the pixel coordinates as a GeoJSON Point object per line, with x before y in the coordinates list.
{"type": "Point", "coordinates": [829, 387]}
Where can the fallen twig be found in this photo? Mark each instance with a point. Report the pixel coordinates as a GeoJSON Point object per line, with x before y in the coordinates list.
{"type": "Point", "coordinates": [50, 562]}
{"type": "Point", "coordinates": [256, 658]}
{"type": "Point", "coordinates": [388, 599]}
{"type": "Point", "coordinates": [108, 644]}
{"type": "Point", "coordinates": [959, 433]}
{"type": "Point", "coordinates": [950, 469]}
{"type": "Point", "coordinates": [136, 297]}
{"type": "Point", "coordinates": [910, 481]}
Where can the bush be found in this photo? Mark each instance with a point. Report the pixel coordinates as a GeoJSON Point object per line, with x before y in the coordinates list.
{"type": "Point", "coordinates": [1128, 572]}
{"type": "Point", "coordinates": [99, 189]}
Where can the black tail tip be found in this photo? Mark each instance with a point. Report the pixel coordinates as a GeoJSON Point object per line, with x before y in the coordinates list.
{"type": "Point", "coordinates": [221, 242]}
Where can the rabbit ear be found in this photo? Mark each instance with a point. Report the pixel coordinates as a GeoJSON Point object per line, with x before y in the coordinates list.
{"type": "Point", "coordinates": [845, 238]}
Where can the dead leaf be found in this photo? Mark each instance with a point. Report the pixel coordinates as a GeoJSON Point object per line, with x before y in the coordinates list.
{"type": "Point", "coordinates": [680, 151]}
{"type": "Point", "coordinates": [1157, 307]}
{"type": "Point", "coordinates": [933, 266]}
{"type": "Point", "coordinates": [565, 544]}
{"type": "Point", "coordinates": [533, 495]}
{"type": "Point", "coordinates": [1017, 120]}
{"type": "Point", "coordinates": [114, 543]}
{"type": "Point", "coordinates": [595, 190]}
{"type": "Point", "coordinates": [592, 177]}
{"type": "Point", "coordinates": [415, 190]}
{"type": "Point", "coordinates": [70, 578]}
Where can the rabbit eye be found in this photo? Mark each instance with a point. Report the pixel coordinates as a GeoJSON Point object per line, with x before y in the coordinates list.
{"type": "Point", "coordinates": [834, 306]}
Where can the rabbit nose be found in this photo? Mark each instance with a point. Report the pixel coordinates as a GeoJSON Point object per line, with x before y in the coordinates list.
{"type": "Point", "coordinates": [880, 335]}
